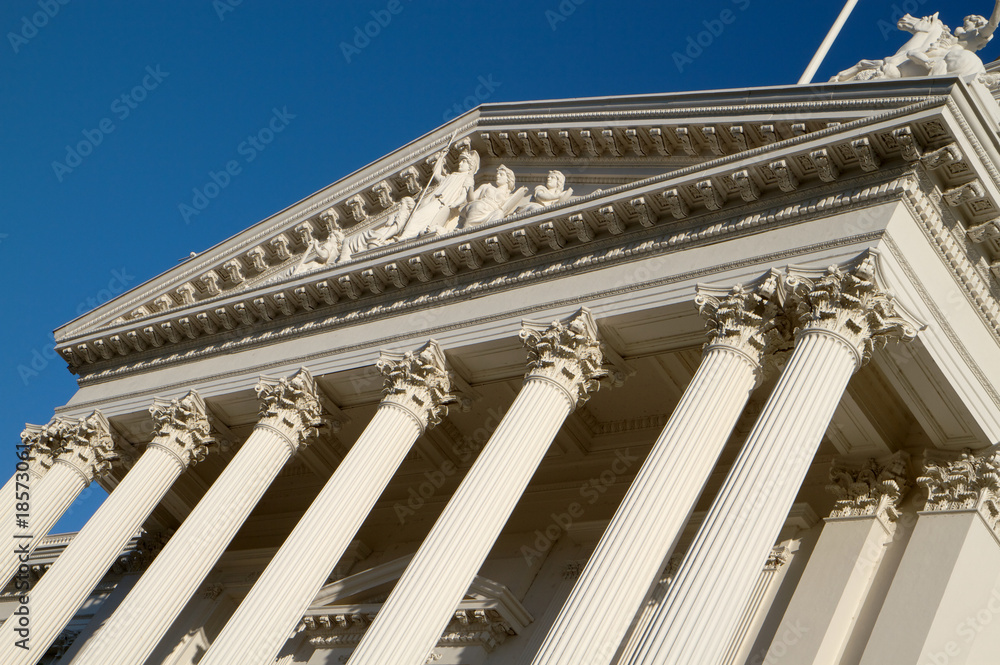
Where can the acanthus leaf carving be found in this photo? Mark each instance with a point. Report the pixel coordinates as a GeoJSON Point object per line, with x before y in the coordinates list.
{"type": "Point", "coordinates": [291, 406]}
{"type": "Point", "coordinates": [971, 482]}
{"type": "Point", "coordinates": [418, 382]}
{"type": "Point", "coordinates": [85, 444]}
{"type": "Point", "coordinates": [566, 352]}
{"type": "Point", "coordinates": [181, 428]}
{"type": "Point", "coordinates": [876, 488]}
{"type": "Point", "coordinates": [848, 301]}
{"type": "Point", "coordinates": [749, 318]}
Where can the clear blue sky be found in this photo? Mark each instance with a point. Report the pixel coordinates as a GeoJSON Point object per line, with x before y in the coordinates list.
{"type": "Point", "coordinates": [163, 93]}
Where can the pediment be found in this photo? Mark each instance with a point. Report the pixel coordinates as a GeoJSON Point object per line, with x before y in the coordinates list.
{"type": "Point", "coordinates": [633, 163]}
{"type": "Point", "coordinates": [342, 610]}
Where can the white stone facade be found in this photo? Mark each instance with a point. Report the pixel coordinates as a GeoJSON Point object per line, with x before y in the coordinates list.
{"type": "Point", "coordinates": [683, 378]}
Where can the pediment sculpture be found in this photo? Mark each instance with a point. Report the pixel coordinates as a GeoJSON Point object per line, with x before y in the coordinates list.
{"type": "Point", "coordinates": [449, 201]}
{"type": "Point", "coordinates": [933, 50]}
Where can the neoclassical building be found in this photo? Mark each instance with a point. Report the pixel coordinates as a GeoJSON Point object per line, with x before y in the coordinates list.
{"type": "Point", "coordinates": [704, 378]}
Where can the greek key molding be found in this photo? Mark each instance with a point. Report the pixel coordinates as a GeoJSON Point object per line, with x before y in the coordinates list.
{"type": "Point", "coordinates": [971, 482]}
{"type": "Point", "coordinates": [566, 352]}
{"type": "Point", "coordinates": [291, 406]}
{"type": "Point", "coordinates": [417, 381]}
{"type": "Point", "coordinates": [876, 488]}
{"type": "Point", "coordinates": [181, 428]}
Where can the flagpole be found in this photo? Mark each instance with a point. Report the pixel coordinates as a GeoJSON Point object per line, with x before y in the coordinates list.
{"type": "Point", "coordinates": [824, 48]}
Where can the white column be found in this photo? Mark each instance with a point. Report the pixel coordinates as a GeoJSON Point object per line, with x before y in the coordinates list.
{"type": "Point", "coordinates": [565, 362]}
{"type": "Point", "coordinates": [744, 324]}
{"type": "Point", "coordinates": [35, 456]}
{"type": "Point", "coordinates": [943, 607]}
{"type": "Point", "coordinates": [416, 390]}
{"type": "Point", "coordinates": [820, 617]}
{"type": "Point", "coordinates": [180, 439]}
{"type": "Point", "coordinates": [838, 315]}
{"type": "Point", "coordinates": [83, 450]}
{"type": "Point", "coordinates": [289, 414]}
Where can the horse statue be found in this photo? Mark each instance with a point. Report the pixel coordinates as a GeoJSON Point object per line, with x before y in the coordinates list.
{"type": "Point", "coordinates": [932, 51]}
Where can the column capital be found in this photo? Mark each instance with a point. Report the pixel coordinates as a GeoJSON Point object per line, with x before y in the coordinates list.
{"type": "Point", "coordinates": [566, 352]}
{"type": "Point", "coordinates": [290, 406]}
{"type": "Point", "coordinates": [42, 443]}
{"type": "Point", "coordinates": [847, 301]}
{"type": "Point", "coordinates": [418, 382]}
{"type": "Point", "coordinates": [971, 482]}
{"type": "Point", "coordinates": [874, 489]}
{"type": "Point", "coordinates": [748, 317]}
{"type": "Point", "coordinates": [181, 428]}
{"type": "Point", "coordinates": [86, 444]}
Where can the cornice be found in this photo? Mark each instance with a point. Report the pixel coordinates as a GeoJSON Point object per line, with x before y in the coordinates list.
{"type": "Point", "coordinates": [674, 199]}
{"type": "Point", "coordinates": [414, 158]}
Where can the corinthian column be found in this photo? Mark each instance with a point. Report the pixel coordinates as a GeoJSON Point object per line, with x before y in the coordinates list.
{"type": "Point", "coordinates": [78, 451]}
{"type": "Point", "coordinates": [181, 435]}
{"type": "Point", "coordinates": [416, 390]}
{"type": "Point", "coordinates": [842, 315]}
{"type": "Point", "coordinates": [944, 601]}
{"type": "Point", "coordinates": [289, 413]}
{"type": "Point", "coordinates": [828, 598]}
{"type": "Point", "coordinates": [744, 324]}
{"type": "Point", "coordinates": [564, 365]}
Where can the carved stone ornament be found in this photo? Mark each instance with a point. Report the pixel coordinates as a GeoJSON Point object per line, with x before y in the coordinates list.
{"type": "Point", "coordinates": [85, 444]}
{"type": "Point", "coordinates": [933, 50]}
{"type": "Point", "coordinates": [848, 302]}
{"type": "Point", "coordinates": [566, 352]}
{"type": "Point", "coordinates": [42, 443]}
{"type": "Point", "coordinates": [971, 482]}
{"type": "Point", "coordinates": [139, 558]}
{"type": "Point", "coordinates": [291, 406]}
{"type": "Point", "coordinates": [181, 428]}
{"type": "Point", "coordinates": [875, 489]}
{"type": "Point", "coordinates": [417, 381]}
{"type": "Point", "coordinates": [749, 318]}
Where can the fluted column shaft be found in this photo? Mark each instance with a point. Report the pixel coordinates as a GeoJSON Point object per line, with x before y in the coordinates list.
{"type": "Point", "coordinates": [75, 452]}
{"type": "Point", "coordinates": [49, 500]}
{"type": "Point", "coordinates": [744, 324]}
{"type": "Point", "coordinates": [66, 585]}
{"type": "Point", "coordinates": [726, 556]}
{"type": "Point", "coordinates": [289, 411]}
{"type": "Point", "coordinates": [420, 606]}
{"type": "Point", "coordinates": [282, 594]}
{"type": "Point", "coordinates": [839, 315]}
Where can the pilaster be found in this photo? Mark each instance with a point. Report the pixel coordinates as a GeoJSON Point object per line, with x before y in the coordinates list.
{"type": "Point", "coordinates": [943, 601]}
{"type": "Point", "coordinates": [821, 616]}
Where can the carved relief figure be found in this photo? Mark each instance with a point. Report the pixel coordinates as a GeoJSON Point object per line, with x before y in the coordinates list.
{"type": "Point", "coordinates": [451, 191]}
{"type": "Point", "coordinates": [321, 253]}
{"type": "Point", "coordinates": [491, 202]}
{"type": "Point", "coordinates": [383, 234]}
{"type": "Point", "coordinates": [932, 51]}
{"type": "Point", "coordinates": [551, 193]}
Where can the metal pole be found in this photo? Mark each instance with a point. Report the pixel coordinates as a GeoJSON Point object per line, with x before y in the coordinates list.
{"type": "Point", "coordinates": [824, 48]}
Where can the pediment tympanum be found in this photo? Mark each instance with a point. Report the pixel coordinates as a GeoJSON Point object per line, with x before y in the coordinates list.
{"type": "Point", "coordinates": [343, 610]}
{"type": "Point", "coordinates": [539, 185]}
